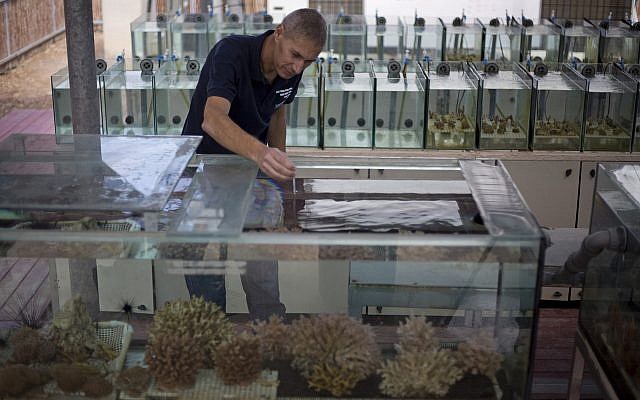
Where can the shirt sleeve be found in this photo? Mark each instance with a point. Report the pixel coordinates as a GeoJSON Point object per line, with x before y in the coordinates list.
{"type": "Point", "coordinates": [223, 74]}
{"type": "Point", "coordinates": [294, 91]}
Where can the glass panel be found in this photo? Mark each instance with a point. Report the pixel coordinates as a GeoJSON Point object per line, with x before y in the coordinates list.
{"type": "Point", "coordinates": [541, 42]}
{"type": "Point", "coordinates": [118, 173]}
{"type": "Point", "coordinates": [385, 38]}
{"type": "Point", "coordinates": [424, 38]}
{"type": "Point", "coordinates": [502, 42]}
{"type": "Point", "coordinates": [303, 114]}
{"type": "Point", "coordinates": [580, 42]}
{"type": "Point", "coordinates": [620, 42]}
{"type": "Point", "coordinates": [610, 313]}
{"type": "Point", "coordinates": [347, 37]}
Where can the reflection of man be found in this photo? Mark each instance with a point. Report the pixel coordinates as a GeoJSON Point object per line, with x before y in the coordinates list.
{"type": "Point", "coordinates": [260, 280]}
{"type": "Point", "coordinates": [239, 103]}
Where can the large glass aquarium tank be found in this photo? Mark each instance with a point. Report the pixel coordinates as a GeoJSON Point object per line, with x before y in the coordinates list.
{"type": "Point", "coordinates": [558, 108]}
{"type": "Point", "coordinates": [580, 41]}
{"type": "Point", "coordinates": [400, 105]}
{"type": "Point", "coordinates": [348, 96]}
{"type": "Point", "coordinates": [452, 97]}
{"type": "Point", "coordinates": [610, 106]}
{"type": "Point", "coordinates": [424, 38]}
{"type": "Point", "coordinates": [259, 23]}
{"type": "Point", "coordinates": [192, 35]}
{"type": "Point", "coordinates": [128, 98]}
{"type": "Point", "coordinates": [540, 40]}
{"type": "Point", "coordinates": [463, 39]}
{"type": "Point", "coordinates": [385, 38]}
{"type": "Point", "coordinates": [229, 23]}
{"type": "Point", "coordinates": [342, 287]}
{"type": "Point", "coordinates": [303, 119]}
{"type": "Point", "coordinates": [175, 83]}
{"type": "Point", "coordinates": [619, 41]}
{"type": "Point", "coordinates": [61, 98]}
{"type": "Point", "coordinates": [347, 38]}
{"type": "Point", "coordinates": [150, 36]}
{"type": "Point", "coordinates": [609, 314]}
{"type": "Point", "coordinates": [502, 41]}
{"type": "Point", "coordinates": [505, 106]}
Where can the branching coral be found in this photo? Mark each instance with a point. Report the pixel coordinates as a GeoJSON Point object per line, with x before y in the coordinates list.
{"type": "Point", "coordinates": [421, 368]}
{"type": "Point", "coordinates": [239, 360]}
{"type": "Point", "coordinates": [134, 381]}
{"type": "Point", "coordinates": [203, 322]}
{"type": "Point", "coordinates": [174, 360]}
{"type": "Point", "coordinates": [479, 356]}
{"type": "Point", "coordinates": [97, 386]}
{"type": "Point", "coordinates": [417, 333]}
{"type": "Point", "coordinates": [274, 338]}
{"type": "Point", "coordinates": [71, 377]}
{"type": "Point", "coordinates": [73, 331]}
{"type": "Point", "coordinates": [334, 352]}
{"type": "Point", "coordinates": [420, 374]}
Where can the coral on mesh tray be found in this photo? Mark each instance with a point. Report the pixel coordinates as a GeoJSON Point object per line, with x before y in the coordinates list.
{"type": "Point", "coordinates": [239, 360]}
{"type": "Point", "coordinates": [273, 335]}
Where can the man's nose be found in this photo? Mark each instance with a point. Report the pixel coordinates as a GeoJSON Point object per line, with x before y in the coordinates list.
{"type": "Point", "coordinates": [299, 66]}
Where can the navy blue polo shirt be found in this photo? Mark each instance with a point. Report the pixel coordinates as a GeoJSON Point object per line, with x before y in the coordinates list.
{"type": "Point", "coordinates": [232, 71]}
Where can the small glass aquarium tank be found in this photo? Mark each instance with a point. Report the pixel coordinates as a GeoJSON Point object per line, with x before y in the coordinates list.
{"type": "Point", "coordinates": [400, 104]}
{"type": "Point", "coordinates": [610, 310]}
{"type": "Point", "coordinates": [424, 38]}
{"type": "Point", "coordinates": [129, 97]}
{"type": "Point", "coordinates": [175, 83]}
{"type": "Point", "coordinates": [540, 39]}
{"type": "Point", "coordinates": [463, 39]}
{"type": "Point", "coordinates": [619, 41]}
{"type": "Point", "coordinates": [580, 41]}
{"type": "Point", "coordinates": [558, 107]}
{"type": "Point", "coordinates": [347, 109]}
{"type": "Point", "coordinates": [230, 22]}
{"type": "Point", "coordinates": [385, 38]}
{"type": "Point", "coordinates": [150, 36]}
{"type": "Point", "coordinates": [347, 38]}
{"type": "Point", "coordinates": [257, 24]}
{"type": "Point", "coordinates": [61, 99]}
{"type": "Point", "coordinates": [502, 40]}
{"type": "Point", "coordinates": [505, 106]}
{"type": "Point", "coordinates": [452, 96]}
{"type": "Point", "coordinates": [303, 114]}
{"type": "Point", "coordinates": [192, 35]}
{"type": "Point", "coordinates": [610, 105]}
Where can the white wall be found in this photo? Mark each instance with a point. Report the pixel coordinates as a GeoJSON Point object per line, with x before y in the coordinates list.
{"type": "Point", "coordinates": [451, 8]}
{"type": "Point", "coordinates": [117, 16]}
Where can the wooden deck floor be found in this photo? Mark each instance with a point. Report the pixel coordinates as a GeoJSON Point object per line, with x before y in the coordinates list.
{"type": "Point", "coordinates": [27, 121]}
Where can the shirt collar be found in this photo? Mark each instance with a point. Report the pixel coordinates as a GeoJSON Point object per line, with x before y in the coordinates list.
{"type": "Point", "coordinates": [256, 71]}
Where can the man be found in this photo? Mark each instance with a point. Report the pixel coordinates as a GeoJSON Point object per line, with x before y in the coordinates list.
{"type": "Point", "coordinates": [239, 103]}
{"type": "Point", "coordinates": [239, 107]}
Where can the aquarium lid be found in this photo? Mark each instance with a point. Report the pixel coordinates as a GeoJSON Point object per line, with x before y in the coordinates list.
{"type": "Point", "coordinates": [501, 206]}
{"type": "Point", "coordinates": [91, 172]}
{"type": "Point", "coordinates": [218, 199]}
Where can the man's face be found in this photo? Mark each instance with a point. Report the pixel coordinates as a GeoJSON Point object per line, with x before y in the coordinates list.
{"type": "Point", "coordinates": [292, 54]}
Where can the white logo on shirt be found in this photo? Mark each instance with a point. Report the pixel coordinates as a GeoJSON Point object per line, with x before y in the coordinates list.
{"type": "Point", "coordinates": [284, 92]}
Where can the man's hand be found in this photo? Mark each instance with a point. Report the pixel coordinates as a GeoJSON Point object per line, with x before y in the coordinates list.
{"type": "Point", "coordinates": [276, 164]}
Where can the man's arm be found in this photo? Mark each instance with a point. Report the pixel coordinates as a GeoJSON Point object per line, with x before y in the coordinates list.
{"type": "Point", "coordinates": [277, 135]}
{"type": "Point", "coordinates": [228, 134]}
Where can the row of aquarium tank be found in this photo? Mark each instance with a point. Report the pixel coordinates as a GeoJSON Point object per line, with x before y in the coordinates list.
{"type": "Point", "coordinates": [388, 104]}
{"type": "Point", "coordinates": [358, 37]}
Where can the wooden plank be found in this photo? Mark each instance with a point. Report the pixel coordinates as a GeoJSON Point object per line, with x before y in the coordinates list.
{"type": "Point", "coordinates": [14, 278]}
{"type": "Point", "coordinates": [31, 118]}
{"type": "Point", "coordinates": [33, 291]}
{"type": "Point", "coordinates": [5, 266]}
{"type": "Point", "coordinates": [58, 14]}
{"type": "Point", "coordinates": [9, 121]}
{"type": "Point", "coordinates": [39, 122]}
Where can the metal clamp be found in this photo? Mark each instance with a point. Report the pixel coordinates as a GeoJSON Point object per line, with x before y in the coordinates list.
{"type": "Point", "coordinates": [348, 69]}
{"type": "Point", "coordinates": [491, 68]}
{"type": "Point", "coordinates": [146, 66]}
{"type": "Point", "coordinates": [540, 69]}
{"type": "Point", "coordinates": [394, 68]}
{"type": "Point", "coordinates": [193, 67]}
{"type": "Point", "coordinates": [588, 71]}
{"type": "Point", "coordinates": [443, 69]}
{"type": "Point", "coordinates": [101, 66]}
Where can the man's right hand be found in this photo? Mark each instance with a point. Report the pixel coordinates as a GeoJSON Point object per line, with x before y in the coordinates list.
{"type": "Point", "coordinates": [276, 164]}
